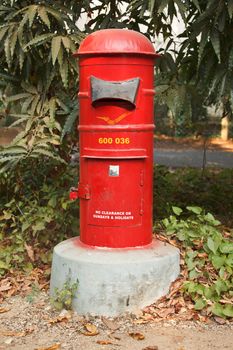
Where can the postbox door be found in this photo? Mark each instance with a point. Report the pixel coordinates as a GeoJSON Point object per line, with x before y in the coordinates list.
{"type": "Point", "coordinates": [116, 187]}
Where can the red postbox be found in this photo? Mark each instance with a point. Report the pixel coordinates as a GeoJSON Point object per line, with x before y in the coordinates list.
{"type": "Point", "coordinates": [116, 138]}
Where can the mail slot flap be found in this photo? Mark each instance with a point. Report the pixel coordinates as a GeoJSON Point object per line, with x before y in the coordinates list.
{"type": "Point", "coordinates": [117, 90]}
{"type": "Point", "coordinates": [114, 153]}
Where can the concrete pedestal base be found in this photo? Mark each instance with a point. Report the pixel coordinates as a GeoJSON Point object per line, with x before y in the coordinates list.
{"type": "Point", "coordinates": [114, 281]}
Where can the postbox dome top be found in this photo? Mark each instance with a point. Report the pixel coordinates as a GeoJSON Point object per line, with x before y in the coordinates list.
{"type": "Point", "coordinates": [116, 41]}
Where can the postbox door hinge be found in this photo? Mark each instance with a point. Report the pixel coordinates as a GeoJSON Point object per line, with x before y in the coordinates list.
{"type": "Point", "coordinates": [83, 192]}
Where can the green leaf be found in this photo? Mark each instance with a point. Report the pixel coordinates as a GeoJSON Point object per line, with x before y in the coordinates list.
{"type": "Point", "coordinates": [230, 8]}
{"type": "Point", "coordinates": [39, 226]}
{"type": "Point", "coordinates": [13, 41]}
{"type": "Point", "coordinates": [14, 150]}
{"type": "Point", "coordinates": [39, 40]}
{"type": "Point", "coordinates": [70, 120]}
{"type": "Point", "coordinates": [200, 304]}
{"type": "Point", "coordinates": [26, 225]}
{"type": "Point", "coordinates": [21, 59]}
{"type": "Point", "coordinates": [29, 88]}
{"type": "Point", "coordinates": [218, 261]}
{"type": "Point", "coordinates": [222, 272]}
{"type": "Point", "coordinates": [67, 43]}
{"type": "Point", "coordinates": [32, 10]}
{"type": "Point", "coordinates": [3, 32]}
{"type": "Point", "coordinates": [163, 4]}
{"type": "Point", "coordinates": [210, 218]}
{"type": "Point", "coordinates": [7, 51]}
{"type": "Point", "coordinates": [177, 210]}
{"type": "Point", "coordinates": [195, 210]}
{"type": "Point", "coordinates": [55, 45]}
{"type": "Point", "coordinates": [18, 97]}
{"type": "Point", "coordinates": [49, 154]}
{"type": "Point", "coordinates": [166, 222]}
{"type": "Point", "coordinates": [193, 274]}
{"type": "Point", "coordinates": [10, 158]}
{"type": "Point", "coordinates": [43, 15]}
{"type": "Point", "coordinates": [228, 310]}
{"type": "Point", "coordinates": [196, 3]}
{"type": "Point", "coordinates": [218, 309]}
{"type": "Point", "coordinates": [229, 260]}
{"type": "Point", "coordinates": [212, 244]}
{"type": "Point", "coordinates": [161, 88]}
{"type": "Point", "coordinates": [220, 286]}
{"type": "Point", "coordinates": [226, 247]}
{"type": "Point", "coordinates": [52, 108]}
{"type": "Point", "coordinates": [64, 73]}
{"type": "Point", "coordinates": [4, 265]}
{"type": "Point", "coordinates": [215, 40]}
{"type": "Point", "coordinates": [230, 63]}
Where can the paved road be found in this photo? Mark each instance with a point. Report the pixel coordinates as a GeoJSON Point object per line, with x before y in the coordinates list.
{"type": "Point", "coordinates": [193, 158]}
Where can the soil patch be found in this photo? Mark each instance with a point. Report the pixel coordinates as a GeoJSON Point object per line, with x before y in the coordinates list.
{"type": "Point", "coordinates": [31, 323]}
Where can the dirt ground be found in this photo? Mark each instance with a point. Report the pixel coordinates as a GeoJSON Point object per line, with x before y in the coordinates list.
{"type": "Point", "coordinates": [29, 323]}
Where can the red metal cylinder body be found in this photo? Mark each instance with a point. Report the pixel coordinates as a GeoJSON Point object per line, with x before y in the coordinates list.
{"type": "Point", "coordinates": [116, 138]}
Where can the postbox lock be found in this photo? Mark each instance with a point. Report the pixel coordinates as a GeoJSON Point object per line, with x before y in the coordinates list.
{"type": "Point", "coordinates": [83, 191]}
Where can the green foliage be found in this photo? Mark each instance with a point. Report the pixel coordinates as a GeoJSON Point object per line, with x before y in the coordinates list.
{"type": "Point", "coordinates": [180, 187]}
{"type": "Point", "coordinates": [38, 76]}
{"type": "Point", "coordinates": [63, 297]}
{"type": "Point", "coordinates": [209, 259]}
{"type": "Point", "coordinates": [35, 209]}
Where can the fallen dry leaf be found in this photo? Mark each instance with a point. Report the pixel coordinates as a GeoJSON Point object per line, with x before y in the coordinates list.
{"type": "Point", "coordinates": [3, 310]}
{"type": "Point", "coordinates": [137, 336]}
{"type": "Point", "coordinates": [114, 336]}
{"type": "Point", "coordinates": [154, 347]}
{"type": "Point", "coordinates": [91, 330]}
{"type": "Point", "coordinates": [5, 287]}
{"type": "Point", "coordinates": [7, 333]}
{"type": "Point", "coordinates": [164, 313]}
{"type": "Point", "coordinates": [110, 324]}
{"type": "Point", "coordinates": [30, 252]}
{"type": "Point", "coordinates": [12, 333]}
{"type": "Point", "coordinates": [60, 318]}
{"type": "Point", "coordinates": [52, 347]}
{"type": "Point", "coordinates": [219, 320]}
{"type": "Point", "coordinates": [104, 342]}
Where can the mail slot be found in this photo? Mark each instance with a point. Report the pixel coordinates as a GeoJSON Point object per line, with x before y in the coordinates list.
{"type": "Point", "coordinates": [116, 125]}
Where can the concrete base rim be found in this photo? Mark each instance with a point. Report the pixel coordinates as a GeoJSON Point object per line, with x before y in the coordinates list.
{"type": "Point", "coordinates": [114, 281]}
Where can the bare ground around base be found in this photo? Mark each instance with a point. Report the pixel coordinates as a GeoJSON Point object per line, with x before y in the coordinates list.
{"type": "Point", "coordinates": [29, 323]}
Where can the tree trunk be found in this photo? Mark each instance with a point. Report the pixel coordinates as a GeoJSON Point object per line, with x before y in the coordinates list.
{"type": "Point", "coordinates": [225, 127]}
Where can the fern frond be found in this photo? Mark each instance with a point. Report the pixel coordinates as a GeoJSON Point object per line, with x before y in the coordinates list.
{"type": "Point", "coordinates": [43, 15]}
{"type": "Point", "coordinates": [43, 152]}
{"type": "Point", "coordinates": [39, 40]}
{"type": "Point", "coordinates": [68, 126]}
{"type": "Point", "coordinates": [32, 10]}
{"type": "Point", "coordinates": [55, 46]}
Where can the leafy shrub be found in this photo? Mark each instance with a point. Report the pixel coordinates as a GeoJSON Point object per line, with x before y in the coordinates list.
{"type": "Point", "coordinates": [182, 187]}
{"type": "Point", "coordinates": [209, 259]}
{"type": "Point", "coordinates": [35, 211]}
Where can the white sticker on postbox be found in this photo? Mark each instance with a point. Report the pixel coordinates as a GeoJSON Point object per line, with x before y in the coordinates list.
{"type": "Point", "coordinates": [114, 170]}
